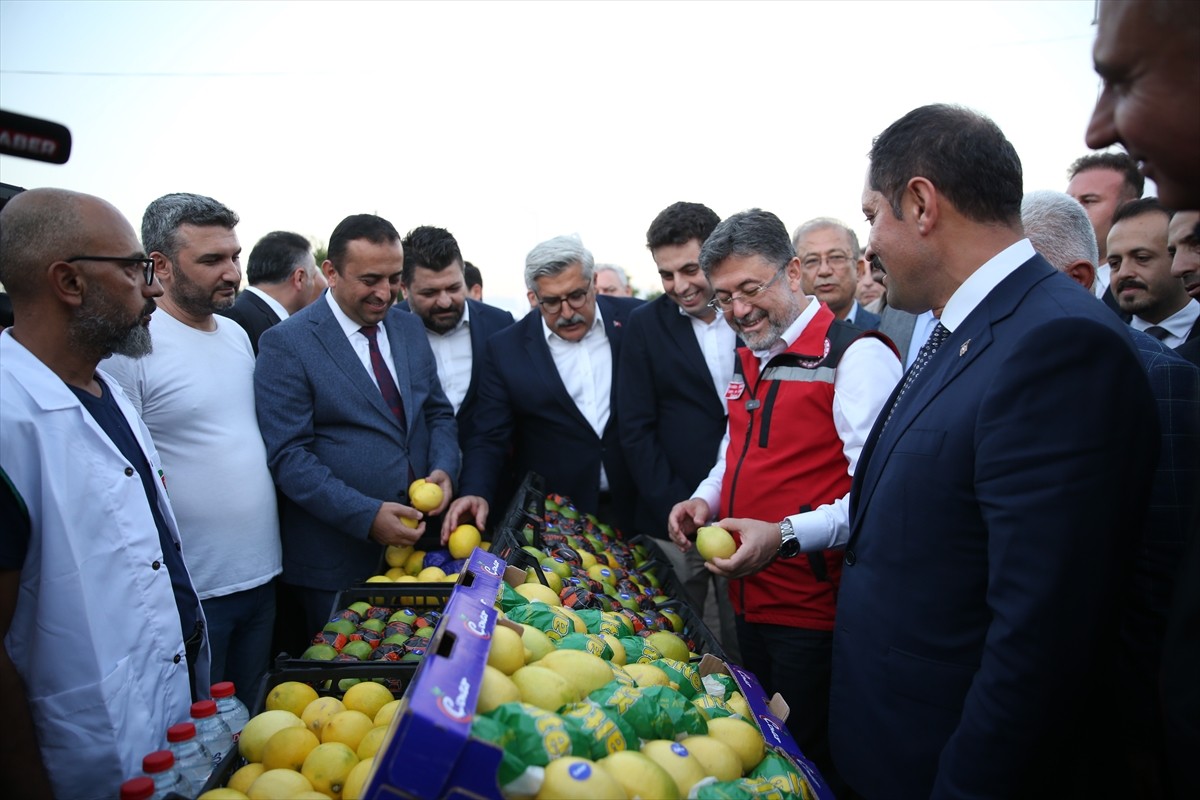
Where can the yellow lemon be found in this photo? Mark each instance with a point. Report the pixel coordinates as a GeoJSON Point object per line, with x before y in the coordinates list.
{"type": "Point", "coordinates": [244, 777]}
{"type": "Point", "coordinates": [424, 496]}
{"type": "Point", "coordinates": [535, 592]}
{"type": "Point", "coordinates": [573, 778]}
{"type": "Point", "coordinates": [372, 742]}
{"type": "Point", "coordinates": [291, 696]}
{"type": "Point", "coordinates": [463, 540]}
{"type": "Point", "coordinates": [396, 573]}
{"type": "Point", "coordinates": [495, 690]}
{"type": "Point", "coordinates": [288, 748]}
{"type": "Point", "coordinates": [223, 793]}
{"type": "Point", "coordinates": [396, 556]}
{"type": "Point", "coordinates": [384, 715]}
{"type": "Point", "coordinates": [544, 688]}
{"type": "Point", "coordinates": [367, 697]}
{"type": "Point", "coordinates": [713, 542]}
{"type": "Point", "coordinates": [431, 574]}
{"type": "Point", "coordinates": [261, 728]}
{"type": "Point", "coordinates": [328, 766]}
{"type": "Point", "coordinates": [680, 764]}
{"type": "Point", "coordinates": [348, 727]}
{"type": "Point", "coordinates": [507, 651]}
{"type": "Point", "coordinates": [647, 675]}
{"type": "Point", "coordinates": [670, 645]}
{"type": "Point", "coordinates": [276, 783]}
{"type": "Point", "coordinates": [717, 758]}
{"type": "Point", "coordinates": [356, 781]}
{"type": "Point", "coordinates": [640, 776]}
{"type": "Point", "coordinates": [415, 561]}
{"type": "Point", "coordinates": [742, 737]}
{"type": "Point", "coordinates": [318, 712]}
{"type": "Point", "coordinates": [584, 671]}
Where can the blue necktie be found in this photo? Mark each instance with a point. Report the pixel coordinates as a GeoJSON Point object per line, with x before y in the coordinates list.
{"type": "Point", "coordinates": [924, 356]}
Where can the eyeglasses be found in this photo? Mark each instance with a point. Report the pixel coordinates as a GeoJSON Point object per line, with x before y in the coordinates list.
{"type": "Point", "coordinates": [722, 300]}
{"type": "Point", "coordinates": [147, 264]}
{"type": "Point", "coordinates": [834, 260]}
{"type": "Point", "coordinates": [575, 300]}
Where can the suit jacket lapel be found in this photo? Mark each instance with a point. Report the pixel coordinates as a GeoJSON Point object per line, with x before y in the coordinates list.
{"type": "Point", "coordinates": [478, 350]}
{"type": "Point", "coordinates": [341, 353]}
{"type": "Point", "coordinates": [543, 363]}
{"type": "Point", "coordinates": [261, 305]}
{"type": "Point", "coordinates": [399, 347]}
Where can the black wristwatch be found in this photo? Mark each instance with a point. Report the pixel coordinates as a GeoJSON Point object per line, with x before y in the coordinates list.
{"type": "Point", "coordinates": [789, 545]}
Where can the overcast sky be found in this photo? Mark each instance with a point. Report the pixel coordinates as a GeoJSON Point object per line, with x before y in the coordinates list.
{"type": "Point", "coordinates": [511, 122]}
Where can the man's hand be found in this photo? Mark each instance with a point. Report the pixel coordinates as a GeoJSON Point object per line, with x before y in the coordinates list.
{"type": "Point", "coordinates": [387, 527]}
{"type": "Point", "coordinates": [470, 508]}
{"type": "Point", "coordinates": [684, 519]}
{"type": "Point", "coordinates": [443, 480]}
{"type": "Point", "coordinates": [760, 544]}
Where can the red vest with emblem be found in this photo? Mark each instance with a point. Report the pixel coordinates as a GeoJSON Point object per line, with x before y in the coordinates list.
{"type": "Point", "coordinates": [785, 456]}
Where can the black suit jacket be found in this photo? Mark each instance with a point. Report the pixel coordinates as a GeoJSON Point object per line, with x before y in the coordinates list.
{"type": "Point", "coordinates": [252, 313]}
{"type": "Point", "coordinates": [524, 420]}
{"type": "Point", "coordinates": [485, 321]}
{"type": "Point", "coordinates": [671, 417]}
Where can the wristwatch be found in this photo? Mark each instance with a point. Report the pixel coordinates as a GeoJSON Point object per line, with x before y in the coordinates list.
{"type": "Point", "coordinates": [789, 545]}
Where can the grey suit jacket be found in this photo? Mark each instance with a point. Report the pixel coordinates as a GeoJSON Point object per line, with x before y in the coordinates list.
{"type": "Point", "coordinates": [898, 326]}
{"type": "Point", "coordinates": [335, 448]}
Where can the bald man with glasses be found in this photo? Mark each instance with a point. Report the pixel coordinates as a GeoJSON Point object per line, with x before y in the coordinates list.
{"type": "Point", "coordinates": [547, 397]}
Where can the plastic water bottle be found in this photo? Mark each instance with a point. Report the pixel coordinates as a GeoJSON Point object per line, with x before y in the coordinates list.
{"type": "Point", "coordinates": [229, 708]}
{"type": "Point", "coordinates": [159, 767]}
{"type": "Point", "coordinates": [211, 730]}
{"type": "Point", "coordinates": [137, 789]}
{"type": "Point", "coordinates": [192, 759]}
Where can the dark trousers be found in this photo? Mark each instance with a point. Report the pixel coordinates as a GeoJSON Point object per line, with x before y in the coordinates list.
{"type": "Point", "coordinates": [317, 604]}
{"type": "Point", "coordinates": [796, 663]}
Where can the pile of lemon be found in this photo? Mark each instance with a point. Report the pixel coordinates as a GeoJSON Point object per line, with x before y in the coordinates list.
{"type": "Point", "coordinates": [306, 746]}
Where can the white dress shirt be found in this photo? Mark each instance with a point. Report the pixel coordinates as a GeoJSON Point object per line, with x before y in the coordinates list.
{"type": "Point", "coordinates": [452, 351]}
{"type": "Point", "coordinates": [586, 370]}
{"type": "Point", "coordinates": [1103, 276]}
{"type": "Point", "coordinates": [718, 343]}
{"type": "Point", "coordinates": [862, 383]}
{"type": "Point", "coordinates": [1177, 326]}
{"type": "Point", "coordinates": [275, 305]}
{"type": "Point", "coordinates": [358, 340]}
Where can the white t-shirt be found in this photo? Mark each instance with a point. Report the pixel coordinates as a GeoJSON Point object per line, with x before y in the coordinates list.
{"type": "Point", "coordinates": [195, 393]}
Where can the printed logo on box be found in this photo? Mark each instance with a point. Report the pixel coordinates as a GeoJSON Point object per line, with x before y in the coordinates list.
{"type": "Point", "coordinates": [455, 707]}
{"type": "Point", "coordinates": [492, 569]}
{"type": "Point", "coordinates": [479, 628]}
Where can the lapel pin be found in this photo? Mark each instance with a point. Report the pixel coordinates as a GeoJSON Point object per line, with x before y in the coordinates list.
{"type": "Point", "coordinates": [962, 351]}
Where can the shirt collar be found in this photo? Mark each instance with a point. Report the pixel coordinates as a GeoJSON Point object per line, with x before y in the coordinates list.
{"type": "Point", "coordinates": [981, 282]}
{"type": "Point", "coordinates": [349, 326]}
{"type": "Point", "coordinates": [1178, 324]}
{"type": "Point", "coordinates": [275, 305]}
{"type": "Point", "coordinates": [792, 332]}
{"type": "Point", "coordinates": [597, 324]}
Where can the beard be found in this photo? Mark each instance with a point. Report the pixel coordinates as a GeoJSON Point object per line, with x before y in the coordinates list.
{"type": "Point", "coordinates": [443, 322]}
{"type": "Point", "coordinates": [98, 326]}
{"type": "Point", "coordinates": [193, 298]}
{"type": "Point", "coordinates": [776, 325]}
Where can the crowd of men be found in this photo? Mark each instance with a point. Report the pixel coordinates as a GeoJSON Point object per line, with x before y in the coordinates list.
{"type": "Point", "coordinates": [962, 463]}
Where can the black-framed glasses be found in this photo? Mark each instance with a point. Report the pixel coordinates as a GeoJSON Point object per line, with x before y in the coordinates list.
{"type": "Point", "coordinates": [147, 264]}
{"type": "Point", "coordinates": [575, 300]}
{"type": "Point", "coordinates": [722, 300]}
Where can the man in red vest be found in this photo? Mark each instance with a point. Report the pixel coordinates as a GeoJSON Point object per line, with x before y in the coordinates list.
{"type": "Point", "coordinates": [805, 393]}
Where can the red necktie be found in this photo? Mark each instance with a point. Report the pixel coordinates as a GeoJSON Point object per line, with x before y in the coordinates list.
{"type": "Point", "coordinates": [387, 386]}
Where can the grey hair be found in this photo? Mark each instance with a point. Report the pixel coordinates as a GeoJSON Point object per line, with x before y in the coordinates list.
{"type": "Point", "coordinates": [1059, 228]}
{"type": "Point", "coordinates": [163, 217]}
{"type": "Point", "coordinates": [556, 255]}
{"type": "Point", "coordinates": [821, 223]}
{"type": "Point", "coordinates": [748, 233]}
{"type": "Point", "coordinates": [37, 228]}
{"type": "Point", "coordinates": [622, 278]}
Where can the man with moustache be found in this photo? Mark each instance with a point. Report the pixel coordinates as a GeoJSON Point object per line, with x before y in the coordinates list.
{"type": "Point", "coordinates": [805, 392]}
{"type": "Point", "coordinates": [548, 397]}
{"type": "Point", "coordinates": [457, 327]}
{"type": "Point", "coordinates": [832, 263]}
{"type": "Point", "coordinates": [102, 642]}
{"type": "Point", "coordinates": [195, 393]}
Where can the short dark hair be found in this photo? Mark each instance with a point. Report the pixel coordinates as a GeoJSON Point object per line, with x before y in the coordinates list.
{"type": "Point", "coordinates": [1133, 179]}
{"type": "Point", "coordinates": [375, 230]}
{"type": "Point", "coordinates": [276, 256]}
{"type": "Point", "coordinates": [961, 152]}
{"type": "Point", "coordinates": [1136, 208]}
{"type": "Point", "coordinates": [681, 222]}
{"type": "Point", "coordinates": [430, 248]}
{"type": "Point", "coordinates": [748, 233]}
{"type": "Point", "coordinates": [472, 275]}
{"type": "Point", "coordinates": [164, 216]}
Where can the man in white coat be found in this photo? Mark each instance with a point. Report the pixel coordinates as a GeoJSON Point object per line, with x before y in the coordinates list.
{"type": "Point", "coordinates": [103, 636]}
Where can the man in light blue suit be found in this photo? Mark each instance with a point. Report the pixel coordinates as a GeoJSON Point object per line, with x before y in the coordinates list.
{"type": "Point", "coordinates": [351, 410]}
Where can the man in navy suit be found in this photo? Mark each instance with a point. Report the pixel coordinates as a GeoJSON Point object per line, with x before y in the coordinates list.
{"type": "Point", "coordinates": [547, 399]}
{"type": "Point", "coordinates": [831, 264]}
{"type": "Point", "coordinates": [991, 516]}
{"type": "Point", "coordinates": [352, 412]}
{"type": "Point", "coordinates": [458, 327]}
{"type": "Point", "coordinates": [676, 363]}
{"type": "Point", "coordinates": [283, 279]}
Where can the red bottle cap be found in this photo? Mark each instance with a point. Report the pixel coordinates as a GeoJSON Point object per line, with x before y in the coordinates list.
{"type": "Point", "coordinates": [137, 789]}
{"type": "Point", "coordinates": [204, 708]}
{"type": "Point", "coordinates": [223, 689]}
{"type": "Point", "coordinates": [158, 761]}
{"type": "Point", "coordinates": [181, 732]}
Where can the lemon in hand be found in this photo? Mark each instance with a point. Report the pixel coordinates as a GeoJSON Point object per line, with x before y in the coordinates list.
{"type": "Point", "coordinates": [463, 540]}
{"type": "Point", "coordinates": [424, 496]}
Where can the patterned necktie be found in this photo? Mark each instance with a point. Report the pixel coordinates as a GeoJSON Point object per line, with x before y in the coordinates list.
{"type": "Point", "coordinates": [387, 386]}
{"type": "Point", "coordinates": [924, 356]}
{"type": "Point", "coordinates": [1158, 332]}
